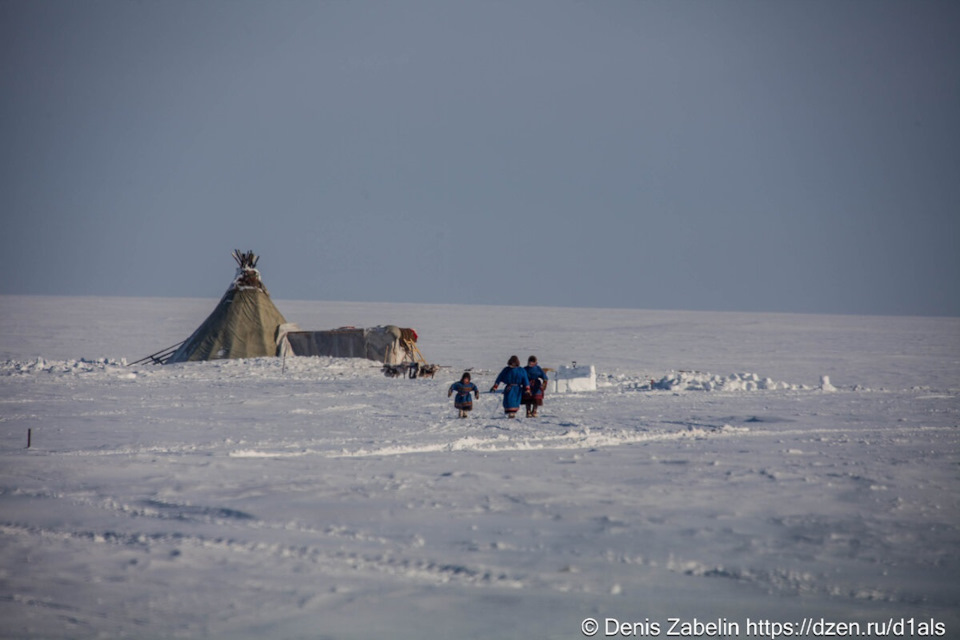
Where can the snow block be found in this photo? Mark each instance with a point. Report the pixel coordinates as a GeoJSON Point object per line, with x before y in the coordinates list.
{"type": "Point", "coordinates": [573, 379]}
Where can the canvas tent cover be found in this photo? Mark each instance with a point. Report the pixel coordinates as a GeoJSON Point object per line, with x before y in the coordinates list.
{"type": "Point", "coordinates": [384, 344]}
{"type": "Point", "coordinates": [243, 325]}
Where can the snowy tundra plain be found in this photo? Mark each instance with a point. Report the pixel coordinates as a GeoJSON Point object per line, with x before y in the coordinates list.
{"type": "Point", "coordinates": [316, 498]}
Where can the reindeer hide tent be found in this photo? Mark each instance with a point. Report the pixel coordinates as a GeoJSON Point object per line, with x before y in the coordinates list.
{"type": "Point", "coordinates": [244, 323]}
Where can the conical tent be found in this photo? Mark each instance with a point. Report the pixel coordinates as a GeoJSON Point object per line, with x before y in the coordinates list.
{"type": "Point", "coordinates": [244, 324]}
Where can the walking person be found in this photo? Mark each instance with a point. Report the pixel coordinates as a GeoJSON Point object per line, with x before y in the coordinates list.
{"type": "Point", "coordinates": [463, 402]}
{"type": "Point", "coordinates": [533, 399]}
{"type": "Point", "coordinates": [516, 383]}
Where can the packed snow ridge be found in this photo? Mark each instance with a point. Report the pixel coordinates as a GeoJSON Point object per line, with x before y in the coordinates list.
{"type": "Point", "coordinates": [698, 381]}
{"type": "Point", "coordinates": [674, 381]}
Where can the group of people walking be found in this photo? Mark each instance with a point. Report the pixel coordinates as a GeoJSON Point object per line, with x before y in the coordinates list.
{"type": "Point", "coordinates": [522, 385]}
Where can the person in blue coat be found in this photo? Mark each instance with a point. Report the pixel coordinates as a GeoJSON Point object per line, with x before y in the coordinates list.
{"type": "Point", "coordinates": [463, 402]}
{"type": "Point", "coordinates": [516, 383]}
{"type": "Point", "coordinates": [533, 399]}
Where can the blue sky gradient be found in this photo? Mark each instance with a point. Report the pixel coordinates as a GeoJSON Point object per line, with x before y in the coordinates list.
{"type": "Point", "coordinates": [741, 155]}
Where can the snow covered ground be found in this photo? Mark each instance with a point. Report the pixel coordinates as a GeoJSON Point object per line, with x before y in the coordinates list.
{"type": "Point", "coordinates": [710, 479]}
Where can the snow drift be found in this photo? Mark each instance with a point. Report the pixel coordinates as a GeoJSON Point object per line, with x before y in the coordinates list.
{"type": "Point", "coordinates": [318, 499]}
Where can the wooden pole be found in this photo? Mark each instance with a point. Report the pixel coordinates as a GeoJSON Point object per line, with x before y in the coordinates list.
{"type": "Point", "coordinates": [29, 437]}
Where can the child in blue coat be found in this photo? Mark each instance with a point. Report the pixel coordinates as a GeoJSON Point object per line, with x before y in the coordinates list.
{"type": "Point", "coordinates": [463, 402]}
{"type": "Point", "coordinates": [516, 381]}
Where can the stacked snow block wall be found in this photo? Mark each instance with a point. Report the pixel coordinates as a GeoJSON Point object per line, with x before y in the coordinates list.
{"type": "Point", "coordinates": [573, 379]}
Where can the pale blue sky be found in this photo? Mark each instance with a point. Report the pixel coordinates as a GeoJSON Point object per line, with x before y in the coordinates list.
{"type": "Point", "coordinates": [770, 155]}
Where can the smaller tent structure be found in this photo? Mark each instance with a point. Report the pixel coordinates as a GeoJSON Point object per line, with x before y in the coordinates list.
{"type": "Point", "coordinates": [389, 345]}
{"type": "Point", "coordinates": [244, 324]}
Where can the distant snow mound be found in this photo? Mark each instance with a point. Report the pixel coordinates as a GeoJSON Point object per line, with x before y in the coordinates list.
{"type": "Point", "coordinates": [698, 381]}
{"type": "Point", "coordinates": [29, 367]}
{"type": "Point", "coordinates": [269, 368]}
